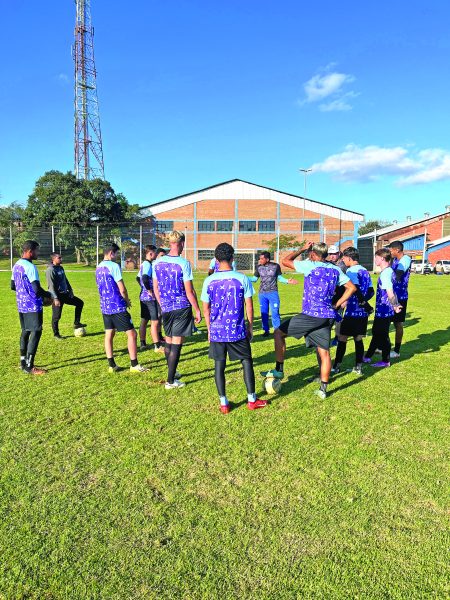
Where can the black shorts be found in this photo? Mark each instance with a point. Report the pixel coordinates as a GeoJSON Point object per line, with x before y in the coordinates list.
{"type": "Point", "coordinates": [316, 331]}
{"type": "Point", "coordinates": [119, 321]}
{"type": "Point", "coordinates": [149, 310]}
{"type": "Point", "coordinates": [354, 326]}
{"type": "Point", "coordinates": [239, 350]}
{"type": "Point", "coordinates": [178, 323]}
{"type": "Point", "coordinates": [401, 316]}
{"type": "Point", "coordinates": [31, 321]}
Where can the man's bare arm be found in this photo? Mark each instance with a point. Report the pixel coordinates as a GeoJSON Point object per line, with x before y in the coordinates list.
{"type": "Point", "coordinates": [123, 292]}
{"type": "Point", "coordinates": [350, 289]}
{"type": "Point", "coordinates": [288, 261]}
{"type": "Point", "coordinates": [250, 313]}
{"type": "Point", "coordinates": [192, 297]}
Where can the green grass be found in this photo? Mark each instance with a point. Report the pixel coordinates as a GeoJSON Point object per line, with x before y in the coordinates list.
{"type": "Point", "coordinates": [111, 487]}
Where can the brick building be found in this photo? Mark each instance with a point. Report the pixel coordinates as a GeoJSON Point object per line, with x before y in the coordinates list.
{"type": "Point", "coordinates": [247, 216]}
{"type": "Point", "coordinates": [430, 232]}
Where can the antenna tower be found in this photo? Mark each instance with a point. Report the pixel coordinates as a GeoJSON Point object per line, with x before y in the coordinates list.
{"type": "Point", "coordinates": [88, 137]}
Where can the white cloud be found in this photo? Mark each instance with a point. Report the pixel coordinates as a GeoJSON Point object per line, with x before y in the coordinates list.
{"type": "Point", "coordinates": [63, 79]}
{"type": "Point", "coordinates": [329, 84]}
{"type": "Point", "coordinates": [369, 163]}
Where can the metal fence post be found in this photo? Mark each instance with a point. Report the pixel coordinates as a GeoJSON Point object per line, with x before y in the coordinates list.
{"type": "Point", "coordinates": [11, 249]}
{"type": "Point", "coordinates": [97, 246]}
{"type": "Point", "coordinates": [140, 245]}
{"type": "Point", "coordinates": [185, 242]}
{"type": "Point", "coordinates": [53, 238]}
{"type": "Point", "coordinates": [278, 244]}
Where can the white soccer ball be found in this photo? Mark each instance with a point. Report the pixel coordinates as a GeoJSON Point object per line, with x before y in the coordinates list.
{"type": "Point", "coordinates": [272, 385]}
{"type": "Point", "coordinates": [79, 332]}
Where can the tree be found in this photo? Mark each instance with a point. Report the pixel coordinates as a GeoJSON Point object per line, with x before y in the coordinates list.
{"type": "Point", "coordinates": [286, 242]}
{"type": "Point", "coordinates": [371, 226]}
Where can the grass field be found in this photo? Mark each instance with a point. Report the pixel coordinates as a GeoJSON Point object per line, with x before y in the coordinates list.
{"type": "Point", "coordinates": [112, 487]}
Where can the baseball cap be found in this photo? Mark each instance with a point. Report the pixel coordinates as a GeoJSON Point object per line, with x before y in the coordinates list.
{"type": "Point", "coordinates": [333, 250]}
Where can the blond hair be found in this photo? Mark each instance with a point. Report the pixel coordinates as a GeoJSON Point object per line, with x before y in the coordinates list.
{"type": "Point", "coordinates": [175, 237]}
{"type": "Point", "coordinates": [320, 248]}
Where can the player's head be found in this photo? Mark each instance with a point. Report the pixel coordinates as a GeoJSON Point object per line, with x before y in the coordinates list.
{"type": "Point", "coordinates": [55, 258]}
{"type": "Point", "coordinates": [333, 253]}
{"type": "Point", "coordinates": [264, 257]}
{"type": "Point", "coordinates": [224, 253]}
{"type": "Point", "coordinates": [110, 251]}
{"type": "Point", "coordinates": [318, 251]}
{"type": "Point", "coordinates": [176, 241]}
{"type": "Point", "coordinates": [383, 257]}
{"type": "Point", "coordinates": [150, 252]}
{"type": "Point", "coordinates": [350, 256]}
{"type": "Point", "coordinates": [396, 248]}
{"type": "Point", "coordinates": [30, 249]}
{"type": "Point", "coordinates": [160, 252]}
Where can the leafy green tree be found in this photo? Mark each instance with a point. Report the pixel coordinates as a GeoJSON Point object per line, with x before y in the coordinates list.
{"type": "Point", "coordinates": [371, 226]}
{"type": "Point", "coordinates": [287, 241]}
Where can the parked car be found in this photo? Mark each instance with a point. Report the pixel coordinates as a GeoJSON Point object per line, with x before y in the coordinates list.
{"type": "Point", "coordinates": [424, 269]}
{"type": "Point", "coordinates": [442, 266]}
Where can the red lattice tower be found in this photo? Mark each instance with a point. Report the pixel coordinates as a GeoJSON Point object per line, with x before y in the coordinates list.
{"type": "Point", "coordinates": [88, 138]}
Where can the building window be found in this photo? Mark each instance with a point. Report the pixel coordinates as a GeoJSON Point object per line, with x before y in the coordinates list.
{"type": "Point", "coordinates": [224, 225]}
{"type": "Point", "coordinates": [164, 226]}
{"type": "Point", "coordinates": [205, 254]}
{"type": "Point", "coordinates": [205, 226]}
{"type": "Point", "coordinates": [247, 226]}
{"type": "Point", "coordinates": [311, 226]}
{"type": "Point", "coordinates": [266, 226]}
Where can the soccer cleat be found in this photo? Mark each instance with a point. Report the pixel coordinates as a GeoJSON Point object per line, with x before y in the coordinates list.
{"type": "Point", "coordinates": [265, 333]}
{"type": "Point", "coordinates": [78, 325]}
{"type": "Point", "coordinates": [321, 394]}
{"type": "Point", "coordinates": [273, 373]}
{"type": "Point", "coordinates": [178, 375]}
{"type": "Point", "coordinates": [355, 371]}
{"type": "Point", "coordinates": [367, 360]}
{"type": "Point", "coordinates": [394, 354]}
{"type": "Point", "coordinates": [175, 385]}
{"type": "Point", "coordinates": [144, 347]}
{"type": "Point", "coordinates": [257, 404]}
{"type": "Point", "coordinates": [114, 369]}
{"type": "Point", "coordinates": [335, 370]}
{"type": "Point", "coordinates": [35, 371]}
{"type": "Point", "coordinates": [159, 349]}
{"type": "Point", "coordinates": [57, 336]}
{"type": "Point", "coordinates": [381, 364]}
{"type": "Point", "coordinates": [138, 369]}
{"type": "Point", "coordinates": [225, 409]}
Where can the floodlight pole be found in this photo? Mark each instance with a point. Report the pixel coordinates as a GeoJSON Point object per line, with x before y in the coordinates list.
{"type": "Point", "coordinates": [305, 175]}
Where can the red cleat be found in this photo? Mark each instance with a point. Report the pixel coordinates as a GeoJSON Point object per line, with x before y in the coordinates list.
{"type": "Point", "coordinates": [37, 371]}
{"type": "Point", "coordinates": [257, 404]}
{"type": "Point", "coordinates": [225, 409]}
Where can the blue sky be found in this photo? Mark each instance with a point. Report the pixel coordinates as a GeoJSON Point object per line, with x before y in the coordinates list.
{"type": "Point", "coordinates": [197, 92]}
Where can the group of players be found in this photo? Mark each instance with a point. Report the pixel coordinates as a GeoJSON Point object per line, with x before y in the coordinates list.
{"type": "Point", "coordinates": [334, 282]}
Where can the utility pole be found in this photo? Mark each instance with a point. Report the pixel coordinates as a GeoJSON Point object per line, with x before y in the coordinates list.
{"type": "Point", "coordinates": [305, 173]}
{"type": "Point", "coordinates": [88, 147]}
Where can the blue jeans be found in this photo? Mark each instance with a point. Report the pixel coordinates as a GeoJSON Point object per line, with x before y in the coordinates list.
{"type": "Point", "coordinates": [270, 300]}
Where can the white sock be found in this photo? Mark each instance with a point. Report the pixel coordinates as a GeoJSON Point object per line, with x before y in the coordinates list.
{"type": "Point", "coordinates": [223, 400]}
{"type": "Point", "coordinates": [251, 397]}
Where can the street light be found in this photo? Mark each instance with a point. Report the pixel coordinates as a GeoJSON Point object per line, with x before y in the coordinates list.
{"type": "Point", "coordinates": [305, 173]}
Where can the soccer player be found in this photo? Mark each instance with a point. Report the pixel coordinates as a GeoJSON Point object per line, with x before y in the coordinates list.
{"type": "Point", "coordinates": [62, 293]}
{"type": "Point", "coordinates": [29, 297]}
{"type": "Point", "coordinates": [149, 306]}
{"type": "Point", "coordinates": [114, 302]}
{"type": "Point", "coordinates": [225, 294]}
{"type": "Point", "coordinates": [386, 306]}
{"type": "Point", "coordinates": [317, 316]}
{"type": "Point", "coordinates": [172, 284]}
{"type": "Point", "coordinates": [214, 266]}
{"type": "Point", "coordinates": [401, 266]}
{"type": "Point", "coordinates": [160, 252]}
{"type": "Point", "coordinates": [355, 319]}
{"type": "Point", "coordinates": [270, 274]}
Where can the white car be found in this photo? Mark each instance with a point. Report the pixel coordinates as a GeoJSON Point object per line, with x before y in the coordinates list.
{"type": "Point", "coordinates": [423, 268]}
{"type": "Point", "coordinates": [442, 266]}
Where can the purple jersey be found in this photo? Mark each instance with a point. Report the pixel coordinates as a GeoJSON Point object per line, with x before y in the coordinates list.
{"type": "Point", "coordinates": [171, 272]}
{"type": "Point", "coordinates": [383, 308]}
{"type": "Point", "coordinates": [107, 275]}
{"type": "Point", "coordinates": [361, 277]}
{"type": "Point", "coordinates": [401, 287]}
{"type": "Point", "coordinates": [24, 273]}
{"type": "Point", "coordinates": [321, 280]}
{"type": "Point", "coordinates": [225, 291]}
{"type": "Point", "coordinates": [146, 269]}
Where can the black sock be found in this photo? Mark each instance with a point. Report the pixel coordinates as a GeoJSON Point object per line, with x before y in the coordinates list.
{"type": "Point", "coordinates": [249, 375]}
{"type": "Point", "coordinates": [111, 362]}
{"type": "Point", "coordinates": [340, 352]}
{"type": "Point", "coordinates": [157, 345]}
{"type": "Point", "coordinates": [397, 348]}
{"type": "Point", "coordinates": [219, 376]}
{"type": "Point", "coordinates": [279, 366]}
{"type": "Point", "coordinates": [167, 348]}
{"type": "Point", "coordinates": [29, 362]}
{"type": "Point", "coordinates": [134, 362]}
{"type": "Point", "coordinates": [143, 342]}
{"type": "Point", "coordinates": [323, 386]}
{"type": "Point", "coordinates": [359, 351]}
{"type": "Point", "coordinates": [172, 361]}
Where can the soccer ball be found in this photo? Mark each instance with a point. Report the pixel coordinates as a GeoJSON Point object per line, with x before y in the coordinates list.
{"type": "Point", "coordinates": [79, 332]}
{"type": "Point", "coordinates": [272, 385]}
